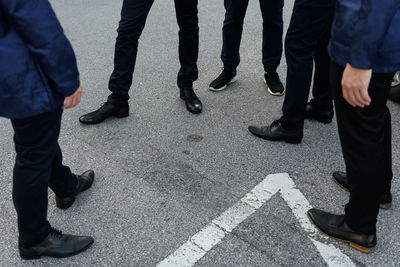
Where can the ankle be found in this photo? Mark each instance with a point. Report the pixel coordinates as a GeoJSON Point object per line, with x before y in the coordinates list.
{"type": "Point", "coordinates": [270, 72]}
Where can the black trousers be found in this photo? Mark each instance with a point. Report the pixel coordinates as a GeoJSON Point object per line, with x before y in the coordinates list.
{"type": "Point", "coordinates": [307, 41]}
{"type": "Point", "coordinates": [271, 11]}
{"type": "Point", "coordinates": [365, 136]}
{"type": "Point", "coordinates": [133, 18]}
{"type": "Point", "coordinates": [38, 165]}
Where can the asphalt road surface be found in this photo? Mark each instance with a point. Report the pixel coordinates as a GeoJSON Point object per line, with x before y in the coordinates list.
{"type": "Point", "coordinates": [164, 174]}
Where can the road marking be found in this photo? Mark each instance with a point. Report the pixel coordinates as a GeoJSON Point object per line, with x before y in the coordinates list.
{"type": "Point", "coordinates": [202, 242]}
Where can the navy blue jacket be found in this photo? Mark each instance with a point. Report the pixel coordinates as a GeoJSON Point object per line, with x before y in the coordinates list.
{"type": "Point", "coordinates": [366, 34]}
{"type": "Point", "coordinates": [37, 63]}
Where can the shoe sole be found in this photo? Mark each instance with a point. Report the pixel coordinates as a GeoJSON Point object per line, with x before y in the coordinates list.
{"type": "Point", "coordinates": [294, 141]}
{"type": "Point", "coordinates": [269, 90]}
{"type": "Point", "coordinates": [234, 79]}
{"type": "Point", "coordinates": [336, 181]}
{"type": "Point", "coordinates": [194, 112]}
{"type": "Point", "coordinates": [351, 244]}
{"type": "Point", "coordinates": [36, 257]}
{"type": "Point", "coordinates": [383, 206]}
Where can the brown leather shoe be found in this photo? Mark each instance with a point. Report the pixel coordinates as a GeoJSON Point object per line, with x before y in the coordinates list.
{"type": "Point", "coordinates": [335, 227]}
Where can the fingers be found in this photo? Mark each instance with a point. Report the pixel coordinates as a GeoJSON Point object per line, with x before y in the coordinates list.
{"type": "Point", "coordinates": [73, 100]}
{"type": "Point", "coordinates": [356, 97]}
{"type": "Point", "coordinates": [348, 94]}
{"type": "Point", "coordinates": [356, 94]}
{"type": "Point", "coordinates": [67, 103]}
{"type": "Point", "coordinates": [365, 97]}
{"type": "Point", "coordinates": [355, 83]}
{"type": "Point", "coordinates": [358, 100]}
{"type": "Point", "coordinates": [77, 97]}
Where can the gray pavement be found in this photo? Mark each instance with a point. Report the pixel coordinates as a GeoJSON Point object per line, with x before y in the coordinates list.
{"type": "Point", "coordinates": [163, 174]}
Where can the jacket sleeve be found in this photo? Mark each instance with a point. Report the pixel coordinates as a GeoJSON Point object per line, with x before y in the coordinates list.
{"type": "Point", "coordinates": [38, 26]}
{"type": "Point", "coordinates": [374, 19]}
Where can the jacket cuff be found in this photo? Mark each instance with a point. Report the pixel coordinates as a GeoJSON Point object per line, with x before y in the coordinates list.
{"type": "Point", "coordinates": [68, 89]}
{"type": "Point", "coordinates": [361, 62]}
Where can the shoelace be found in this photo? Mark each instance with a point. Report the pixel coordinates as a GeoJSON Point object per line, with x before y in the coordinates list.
{"type": "Point", "coordinates": [55, 232]}
{"type": "Point", "coordinates": [102, 106]}
{"type": "Point", "coordinates": [275, 122]}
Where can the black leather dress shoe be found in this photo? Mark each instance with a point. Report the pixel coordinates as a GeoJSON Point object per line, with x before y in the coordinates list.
{"type": "Point", "coordinates": [57, 245]}
{"type": "Point", "coordinates": [335, 226]}
{"type": "Point", "coordinates": [193, 103]}
{"type": "Point", "coordinates": [85, 181]}
{"type": "Point", "coordinates": [319, 114]}
{"type": "Point", "coordinates": [275, 132]}
{"type": "Point", "coordinates": [105, 111]}
{"type": "Point", "coordinates": [343, 181]}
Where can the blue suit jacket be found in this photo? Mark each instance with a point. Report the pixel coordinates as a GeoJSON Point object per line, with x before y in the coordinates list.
{"type": "Point", "coordinates": [366, 34]}
{"type": "Point", "coordinates": [37, 63]}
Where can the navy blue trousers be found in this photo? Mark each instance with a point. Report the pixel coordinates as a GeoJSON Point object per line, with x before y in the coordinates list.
{"type": "Point", "coordinates": [271, 11]}
{"type": "Point", "coordinates": [133, 18]}
{"type": "Point", "coordinates": [306, 43]}
{"type": "Point", "coordinates": [38, 165]}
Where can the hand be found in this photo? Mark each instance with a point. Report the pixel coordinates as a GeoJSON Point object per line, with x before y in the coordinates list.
{"type": "Point", "coordinates": [355, 83]}
{"type": "Point", "coordinates": [74, 99]}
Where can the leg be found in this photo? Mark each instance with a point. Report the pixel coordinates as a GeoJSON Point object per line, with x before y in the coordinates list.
{"type": "Point", "coordinates": [36, 146]}
{"type": "Point", "coordinates": [363, 133]}
{"type": "Point", "coordinates": [322, 93]}
{"type": "Point", "coordinates": [272, 33]}
{"type": "Point", "coordinates": [387, 185]}
{"type": "Point", "coordinates": [308, 25]}
{"type": "Point", "coordinates": [62, 181]}
{"type": "Point", "coordinates": [232, 32]}
{"type": "Point", "coordinates": [186, 14]}
{"type": "Point", "coordinates": [133, 19]}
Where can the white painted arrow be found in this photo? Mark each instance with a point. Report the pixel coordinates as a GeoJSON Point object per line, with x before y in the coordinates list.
{"type": "Point", "coordinates": [202, 242]}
